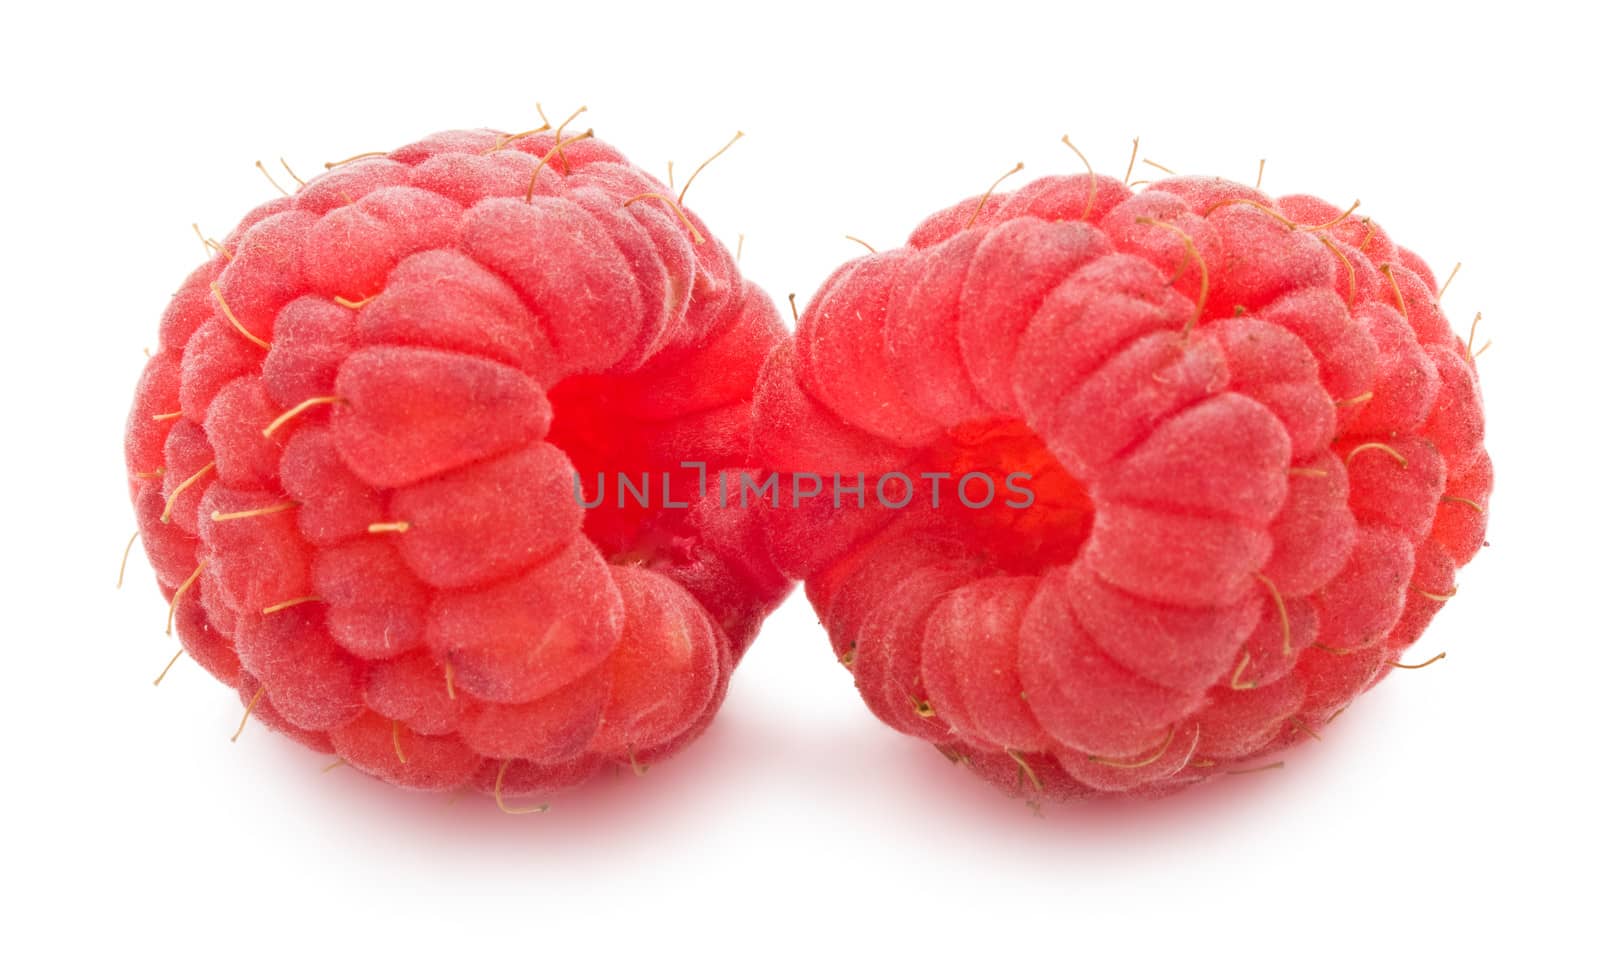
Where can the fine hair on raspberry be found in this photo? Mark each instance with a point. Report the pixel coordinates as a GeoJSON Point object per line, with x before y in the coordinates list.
{"type": "Point", "coordinates": [1254, 449]}
{"type": "Point", "coordinates": [358, 456]}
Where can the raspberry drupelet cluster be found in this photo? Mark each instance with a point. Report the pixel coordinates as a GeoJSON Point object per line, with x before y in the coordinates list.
{"type": "Point", "coordinates": [352, 460]}
{"type": "Point", "coordinates": [1255, 449]}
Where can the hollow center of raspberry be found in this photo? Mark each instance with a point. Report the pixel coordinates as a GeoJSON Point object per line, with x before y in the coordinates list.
{"type": "Point", "coordinates": [1056, 512]}
{"type": "Point", "coordinates": [634, 492]}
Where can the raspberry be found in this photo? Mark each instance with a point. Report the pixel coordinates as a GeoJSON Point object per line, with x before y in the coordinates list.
{"type": "Point", "coordinates": [353, 458]}
{"type": "Point", "coordinates": [1254, 461]}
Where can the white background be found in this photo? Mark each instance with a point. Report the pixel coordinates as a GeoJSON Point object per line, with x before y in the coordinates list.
{"type": "Point", "coordinates": [1448, 814]}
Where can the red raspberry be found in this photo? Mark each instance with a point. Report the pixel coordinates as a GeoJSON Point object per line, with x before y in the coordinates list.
{"type": "Point", "coordinates": [353, 463]}
{"type": "Point", "coordinates": [1256, 462]}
